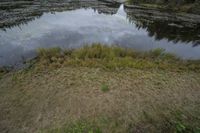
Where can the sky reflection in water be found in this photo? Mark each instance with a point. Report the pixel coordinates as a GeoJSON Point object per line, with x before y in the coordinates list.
{"type": "Point", "coordinates": [72, 29]}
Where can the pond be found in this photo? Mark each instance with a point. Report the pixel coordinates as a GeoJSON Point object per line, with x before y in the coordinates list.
{"type": "Point", "coordinates": [72, 25]}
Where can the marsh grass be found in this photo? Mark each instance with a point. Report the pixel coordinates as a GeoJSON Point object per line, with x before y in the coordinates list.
{"type": "Point", "coordinates": [98, 51]}
{"type": "Point", "coordinates": [49, 53]}
{"type": "Point", "coordinates": [112, 57]}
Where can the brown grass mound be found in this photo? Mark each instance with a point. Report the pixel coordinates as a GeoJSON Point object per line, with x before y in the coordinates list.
{"type": "Point", "coordinates": [92, 91]}
{"type": "Point", "coordinates": [137, 101]}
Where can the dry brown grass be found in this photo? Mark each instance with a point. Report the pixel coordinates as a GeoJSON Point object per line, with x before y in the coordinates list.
{"type": "Point", "coordinates": [101, 89]}
{"type": "Point", "coordinates": [137, 101]}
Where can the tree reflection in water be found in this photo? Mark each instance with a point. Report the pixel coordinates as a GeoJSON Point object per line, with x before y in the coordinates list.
{"type": "Point", "coordinates": [161, 26]}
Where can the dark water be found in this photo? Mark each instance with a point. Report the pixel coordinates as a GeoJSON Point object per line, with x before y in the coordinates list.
{"type": "Point", "coordinates": [140, 29]}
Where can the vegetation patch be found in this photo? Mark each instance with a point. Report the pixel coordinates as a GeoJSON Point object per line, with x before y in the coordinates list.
{"type": "Point", "coordinates": [104, 88]}
{"type": "Point", "coordinates": [171, 123]}
{"type": "Point", "coordinates": [80, 126]}
{"type": "Point", "coordinates": [113, 57]}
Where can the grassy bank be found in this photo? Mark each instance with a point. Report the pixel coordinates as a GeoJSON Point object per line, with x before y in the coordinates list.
{"type": "Point", "coordinates": [102, 56]}
{"type": "Point", "coordinates": [101, 89]}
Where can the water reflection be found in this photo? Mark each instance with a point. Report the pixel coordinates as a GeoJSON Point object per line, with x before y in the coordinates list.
{"type": "Point", "coordinates": [162, 26]}
{"type": "Point", "coordinates": [15, 13]}
{"type": "Point", "coordinates": [121, 11]}
{"type": "Point", "coordinates": [98, 23]}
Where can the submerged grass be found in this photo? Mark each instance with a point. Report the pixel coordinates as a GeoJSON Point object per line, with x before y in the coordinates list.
{"type": "Point", "coordinates": [113, 57]}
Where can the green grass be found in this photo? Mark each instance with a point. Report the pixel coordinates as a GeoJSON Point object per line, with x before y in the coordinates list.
{"type": "Point", "coordinates": [81, 126]}
{"type": "Point", "coordinates": [104, 88]}
{"type": "Point", "coordinates": [112, 57]}
{"type": "Point", "coordinates": [181, 126]}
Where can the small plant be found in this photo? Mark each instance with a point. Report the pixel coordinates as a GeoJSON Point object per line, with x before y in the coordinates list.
{"type": "Point", "coordinates": [180, 127]}
{"type": "Point", "coordinates": [82, 127]}
{"type": "Point", "coordinates": [104, 88]}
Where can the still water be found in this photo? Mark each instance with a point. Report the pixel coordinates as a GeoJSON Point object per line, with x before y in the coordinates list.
{"type": "Point", "coordinates": [75, 28]}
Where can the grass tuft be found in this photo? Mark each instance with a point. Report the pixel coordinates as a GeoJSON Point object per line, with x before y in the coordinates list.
{"type": "Point", "coordinates": [48, 52]}
{"type": "Point", "coordinates": [104, 88]}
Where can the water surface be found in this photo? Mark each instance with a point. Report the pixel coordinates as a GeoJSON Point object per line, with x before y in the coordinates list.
{"type": "Point", "coordinates": [77, 27]}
